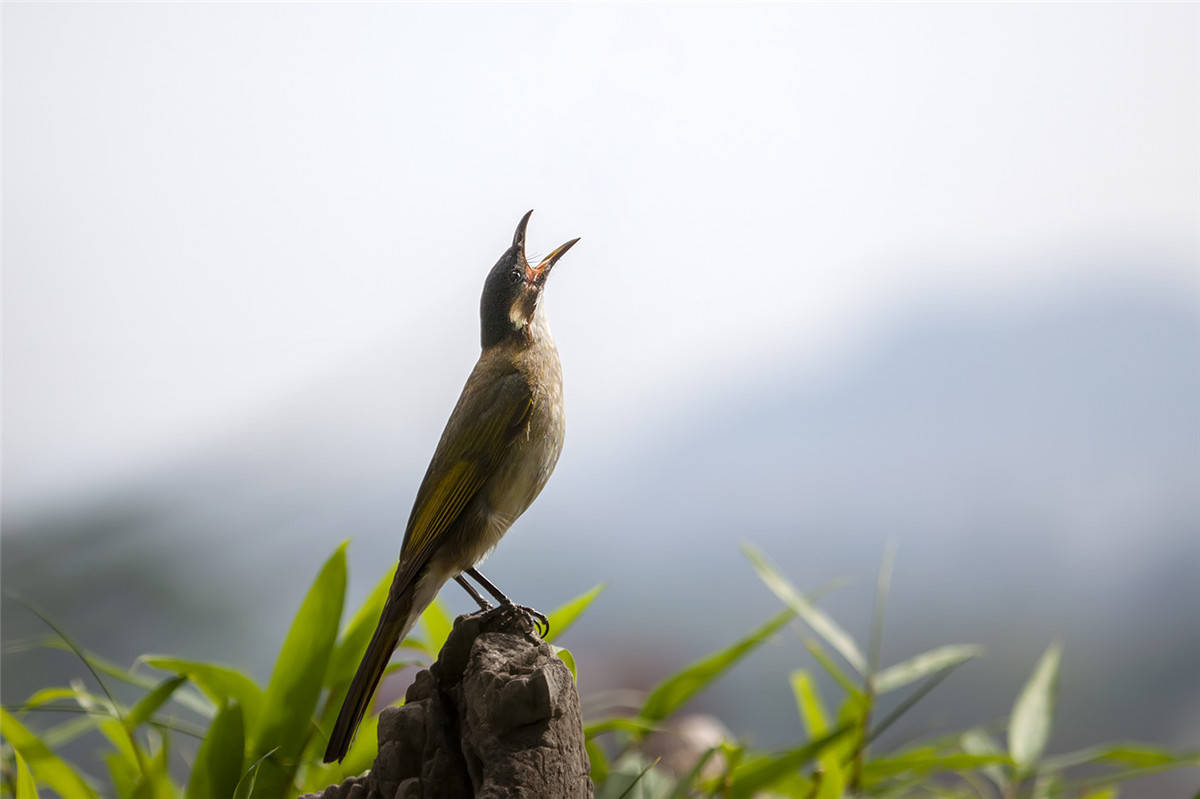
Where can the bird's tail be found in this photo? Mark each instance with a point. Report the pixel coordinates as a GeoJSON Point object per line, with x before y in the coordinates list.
{"type": "Point", "coordinates": [398, 617]}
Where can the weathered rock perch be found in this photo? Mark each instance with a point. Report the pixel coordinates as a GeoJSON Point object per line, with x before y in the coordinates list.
{"type": "Point", "coordinates": [496, 716]}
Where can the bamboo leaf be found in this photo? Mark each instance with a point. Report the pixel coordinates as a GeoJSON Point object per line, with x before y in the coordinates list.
{"type": "Point", "coordinates": [48, 768]}
{"type": "Point", "coordinates": [924, 664]}
{"type": "Point", "coordinates": [820, 622]}
{"type": "Point", "coordinates": [562, 618]}
{"type": "Point", "coordinates": [291, 697]}
{"type": "Point", "coordinates": [757, 775]}
{"type": "Point", "coordinates": [219, 683]}
{"type": "Point", "coordinates": [151, 702]}
{"type": "Point", "coordinates": [1029, 725]}
{"type": "Point", "coordinates": [218, 765]}
{"type": "Point", "coordinates": [26, 787]}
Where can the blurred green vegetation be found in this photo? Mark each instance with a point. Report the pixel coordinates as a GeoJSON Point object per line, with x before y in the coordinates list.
{"type": "Point", "coordinates": [267, 741]}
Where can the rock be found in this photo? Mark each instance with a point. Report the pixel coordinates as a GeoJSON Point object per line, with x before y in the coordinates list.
{"type": "Point", "coordinates": [496, 716]}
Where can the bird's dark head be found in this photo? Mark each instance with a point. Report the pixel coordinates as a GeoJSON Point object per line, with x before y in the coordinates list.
{"type": "Point", "coordinates": [513, 291]}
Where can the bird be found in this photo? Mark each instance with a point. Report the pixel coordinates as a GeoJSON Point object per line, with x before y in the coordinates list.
{"type": "Point", "coordinates": [497, 451]}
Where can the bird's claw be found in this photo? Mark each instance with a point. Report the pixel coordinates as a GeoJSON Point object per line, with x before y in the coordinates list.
{"type": "Point", "coordinates": [536, 619]}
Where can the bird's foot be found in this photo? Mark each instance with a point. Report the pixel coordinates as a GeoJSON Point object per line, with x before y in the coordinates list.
{"type": "Point", "coordinates": [536, 619]}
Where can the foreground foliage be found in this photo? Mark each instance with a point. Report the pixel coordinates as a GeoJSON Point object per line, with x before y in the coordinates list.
{"type": "Point", "coordinates": [266, 741]}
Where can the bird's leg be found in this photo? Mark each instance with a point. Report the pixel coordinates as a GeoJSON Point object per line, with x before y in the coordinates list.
{"type": "Point", "coordinates": [536, 618]}
{"type": "Point", "coordinates": [470, 589]}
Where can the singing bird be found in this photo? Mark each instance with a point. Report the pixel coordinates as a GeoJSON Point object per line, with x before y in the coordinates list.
{"type": "Point", "coordinates": [499, 447]}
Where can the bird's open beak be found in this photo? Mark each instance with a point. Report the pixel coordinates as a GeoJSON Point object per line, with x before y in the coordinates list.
{"type": "Point", "coordinates": [540, 271]}
{"type": "Point", "coordinates": [537, 274]}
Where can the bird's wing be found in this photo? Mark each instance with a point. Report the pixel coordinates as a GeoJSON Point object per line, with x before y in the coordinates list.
{"type": "Point", "coordinates": [490, 413]}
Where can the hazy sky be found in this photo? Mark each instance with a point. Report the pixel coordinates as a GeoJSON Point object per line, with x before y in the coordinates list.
{"type": "Point", "coordinates": [208, 207]}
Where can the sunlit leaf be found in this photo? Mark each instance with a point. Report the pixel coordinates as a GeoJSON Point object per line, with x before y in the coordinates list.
{"type": "Point", "coordinates": [922, 762]}
{"type": "Point", "coordinates": [833, 780]}
{"type": "Point", "coordinates": [218, 764]}
{"type": "Point", "coordinates": [977, 742]}
{"type": "Point", "coordinates": [1135, 755]}
{"type": "Point", "coordinates": [26, 787]}
{"type": "Point", "coordinates": [45, 697]}
{"type": "Point", "coordinates": [817, 619]}
{"type": "Point", "coordinates": [1029, 726]}
{"type": "Point", "coordinates": [566, 657]}
{"type": "Point", "coordinates": [621, 723]}
{"type": "Point", "coordinates": [47, 767]}
{"type": "Point", "coordinates": [915, 668]}
{"type": "Point", "coordinates": [562, 618]}
{"type": "Point", "coordinates": [757, 775]}
{"type": "Point", "coordinates": [354, 638]}
{"type": "Point", "coordinates": [219, 683]}
{"type": "Point", "coordinates": [674, 691]}
{"type": "Point", "coordinates": [151, 702]}
{"type": "Point", "coordinates": [292, 693]}
{"type": "Point", "coordinates": [598, 762]}
{"type": "Point", "coordinates": [849, 686]}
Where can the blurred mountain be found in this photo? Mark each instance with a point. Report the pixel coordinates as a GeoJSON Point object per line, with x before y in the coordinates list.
{"type": "Point", "coordinates": [1036, 461]}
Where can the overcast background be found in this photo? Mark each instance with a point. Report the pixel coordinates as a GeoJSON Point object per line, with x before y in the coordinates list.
{"type": "Point", "coordinates": [847, 274]}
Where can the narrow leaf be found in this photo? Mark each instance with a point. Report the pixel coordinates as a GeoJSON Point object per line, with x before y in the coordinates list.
{"type": "Point", "coordinates": [292, 693]}
{"type": "Point", "coordinates": [758, 775]}
{"type": "Point", "coordinates": [817, 619]}
{"type": "Point", "coordinates": [977, 742]}
{"type": "Point", "coordinates": [26, 787]}
{"type": "Point", "coordinates": [566, 657]}
{"type": "Point", "coordinates": [562, 618]}
{"type": "Point", "coordinates": [218, 765]}
{"type": "Point", "coordinates": [1029, 726]}
{"type": "Point", "coordinates": [219, 683]}
{"type": "Point", "coordinates": [673, 692]}
{"type": "Point", "coordinates": [47, 767]}
{"type": "Point", "coordinates": [915, 668]}
{"type": "Point", "coordinates": [151, 702]}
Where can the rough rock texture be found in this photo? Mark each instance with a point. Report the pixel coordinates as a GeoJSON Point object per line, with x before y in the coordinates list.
{"type": "Point", "coordinates": [496, 716]}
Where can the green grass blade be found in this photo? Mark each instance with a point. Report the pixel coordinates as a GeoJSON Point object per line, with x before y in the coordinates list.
{"type": "Point", "coordinates": [597, 763]}
{"type": "Point", "coordinates": [822, 657]}
{"type": "Point", "coordinates": [816, 721]}
{"type": "Point", "coordinates": [812, 711]}
{"type": "Point", "coordinates": [44, 697]}
{"type": "Point", "coordinates": [817, 619]}
{"type": "Point", "coordinates": [353, 642]}
{"type": "Point", "coordinates": [924, 664]}
{"type": "Point", "coordinates": [628, 724]}
{"type": "Point", "coordinates": [976, 741]}
{"type": "Point", "coordinates": [922, 763]}
{"type": "Point", "coordinates": [673, 692]}
{"type": "Point", "coordinates": [48, 768]}
{"type": "Point", "coordinates": [219, 683]}
{"type": "Point", "coordinates": [562, 618]}
{"type": "Point", "coordinates": [26, 787]}
{"type": "Point", "coordinates": [1029, 725]}
{"type": "Point", "coordinates": [151, 702]}
{"type": "Point", "coordinates": [284, 723]}
{"type": "Point", "coordinates": [218, 765]}
{"type": "Point", "coordinates": [883, 587]}
{"type": "Point", "coordinates": [753, 777]}
{"type": "Point", "coordinates": [566, 657]}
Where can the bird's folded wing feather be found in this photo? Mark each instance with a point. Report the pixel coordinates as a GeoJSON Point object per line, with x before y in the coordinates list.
{"type": "Point", "coordinates": [490, 413]}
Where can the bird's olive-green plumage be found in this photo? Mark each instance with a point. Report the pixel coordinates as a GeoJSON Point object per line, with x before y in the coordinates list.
{"type": "Point", "coordinates": [498, 449]}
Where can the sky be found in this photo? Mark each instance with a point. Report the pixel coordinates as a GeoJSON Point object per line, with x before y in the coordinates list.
{"type": "Point", "coordinates": [207, 208]}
